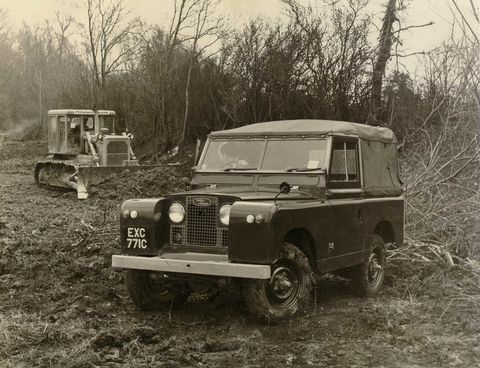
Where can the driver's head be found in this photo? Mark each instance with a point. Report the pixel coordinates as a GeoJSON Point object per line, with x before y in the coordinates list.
{"type": "Point", "coordinates": [229, 150]}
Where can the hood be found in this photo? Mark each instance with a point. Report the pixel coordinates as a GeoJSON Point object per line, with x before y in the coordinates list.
{"type": "Point", "coordinates": [247, 193]}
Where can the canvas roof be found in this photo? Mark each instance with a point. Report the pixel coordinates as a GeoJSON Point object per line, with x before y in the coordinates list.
{"type": "Point", "coordinates": [298, 127]}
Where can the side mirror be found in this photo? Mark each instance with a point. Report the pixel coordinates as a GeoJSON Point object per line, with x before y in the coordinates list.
{"type": "Point", "coordinates": [284, 187]}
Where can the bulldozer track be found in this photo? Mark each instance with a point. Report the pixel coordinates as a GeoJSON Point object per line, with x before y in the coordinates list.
{"type": "Point", "coordinates": [61, 168]}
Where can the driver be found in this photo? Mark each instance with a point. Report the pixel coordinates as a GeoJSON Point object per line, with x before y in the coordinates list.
{"type": "Point", "coordinates": [231, 156]}
{"type": "Point", "coordinates": [87, 124]}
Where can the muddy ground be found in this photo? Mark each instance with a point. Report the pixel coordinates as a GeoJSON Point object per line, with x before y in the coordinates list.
{"type": "Point", "coordinates": [62, 305]}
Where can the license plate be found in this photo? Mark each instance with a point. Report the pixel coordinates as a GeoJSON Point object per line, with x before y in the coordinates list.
{"type": "Point", "coordinates": [136, 238]}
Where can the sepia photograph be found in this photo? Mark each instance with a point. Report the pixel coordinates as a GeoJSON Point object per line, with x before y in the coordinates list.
{"type": "Point", "coordinates": [239, 183]}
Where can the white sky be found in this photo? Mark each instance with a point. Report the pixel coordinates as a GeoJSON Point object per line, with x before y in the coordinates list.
{"type": "Point", "coordinates": [158, 12]}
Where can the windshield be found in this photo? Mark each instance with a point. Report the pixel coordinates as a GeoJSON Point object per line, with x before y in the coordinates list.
{"type": "Point", "coordinates": [107, 121]}
{"type": "Point", "coordinates": [223, 155]}
{"type": "Point", "coordinates": [294, 154]}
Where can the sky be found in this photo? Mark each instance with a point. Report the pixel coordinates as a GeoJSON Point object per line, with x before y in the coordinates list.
{"type": "Point", "coordinates": [159, 12]}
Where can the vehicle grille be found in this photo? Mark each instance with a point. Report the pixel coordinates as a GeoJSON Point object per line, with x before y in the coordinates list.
{"type": "Point", "coordinates": [117, 152]}
{"type": "Point", "coordinates": [201, 225]}
{"type": "Point", "coordinates": [117, 147]}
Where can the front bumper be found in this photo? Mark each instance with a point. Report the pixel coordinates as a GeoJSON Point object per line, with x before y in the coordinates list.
{"type": "Point", "coordinates": [193, 263]}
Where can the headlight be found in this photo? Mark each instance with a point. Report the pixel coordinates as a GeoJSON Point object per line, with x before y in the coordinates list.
{"type": "Point", "coordinates": [176, 212]}
{"type": "Point", "coordinates": [224, 213]}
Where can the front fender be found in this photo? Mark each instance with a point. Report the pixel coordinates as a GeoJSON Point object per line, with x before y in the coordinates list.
{"type": "Point", "coordinates": [146, 210]}
{"type": "Point", "coordinates": [260, 243]}
{"type": "Point", "coordinates": [251, 242]}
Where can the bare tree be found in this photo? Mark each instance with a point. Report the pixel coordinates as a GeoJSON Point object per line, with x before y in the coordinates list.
{"type": "Point", "coordinates": [7, 69]}
{"type": "Point", "coordinates": [183, 13]}
{"type": "Point", "coordinates": [64, 23]}
{"type": "Point", "coordinates": [471, 42]}
{"type": "Point", "coordinates": [337, 55]}
{"type": "Point", "coordinates": [203, 27]}
{"type": "Point", "coordinates": [107, 35]}
{"type": "Point", "coordinates": [175, 52]}
{"type": "Point", "coordinates": [388, 39]}
{"type": "Point", "coordinates": [383, 55]}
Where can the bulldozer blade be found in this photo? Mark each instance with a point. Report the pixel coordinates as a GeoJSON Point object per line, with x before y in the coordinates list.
{"type": "Point", "coordinates": [93, 175]}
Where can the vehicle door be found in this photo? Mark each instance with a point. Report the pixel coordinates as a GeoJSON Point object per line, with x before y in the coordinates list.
{"type": "Point", "coordinates": [346, 209]}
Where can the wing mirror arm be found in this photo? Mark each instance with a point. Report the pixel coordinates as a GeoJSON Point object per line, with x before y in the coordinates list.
{"type": "Point", "coordinates": [284, 188]}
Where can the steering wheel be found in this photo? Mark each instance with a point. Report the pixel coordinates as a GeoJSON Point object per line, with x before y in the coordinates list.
{"type": "Point", "coordinates": [229, 165]}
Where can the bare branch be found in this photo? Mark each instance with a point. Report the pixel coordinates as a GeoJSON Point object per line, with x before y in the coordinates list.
{"type": "Point", "coordinates": [411, 54]}
{"type": "Point", "coordinates": [474, 34]}
{"type": "Point", "coordinates": [414, 26]}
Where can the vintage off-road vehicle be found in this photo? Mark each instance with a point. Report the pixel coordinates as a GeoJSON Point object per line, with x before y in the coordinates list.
{"type": "Point", "coordinates": [271, 205]}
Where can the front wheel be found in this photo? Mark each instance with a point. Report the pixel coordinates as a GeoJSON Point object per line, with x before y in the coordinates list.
{"type": "Point", "coordinates": [286, 292]}
{"type": "Point", "coordinates": [367, 278]}
{"type": "Point", "coordinates": [151, 291]}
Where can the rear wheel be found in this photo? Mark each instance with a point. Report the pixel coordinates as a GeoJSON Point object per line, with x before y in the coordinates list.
{"type": "Point", "coordinates": [151, 291]}
{"type": "Point", "coordinates": [286, 292]}
{"type": "Point", "coordinates": [367, 278]}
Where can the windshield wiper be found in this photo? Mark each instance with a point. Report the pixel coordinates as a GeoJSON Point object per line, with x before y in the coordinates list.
{"type": "Point", "coordinates": [239, 168]}
{"type": "Point", "coordinates": [303, 169]}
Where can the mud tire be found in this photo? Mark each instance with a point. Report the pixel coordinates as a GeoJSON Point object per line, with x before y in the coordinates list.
{"type": "Point", "coordinates": [153, 295]}
{"type": "Point", "coordinates": [367, 278]}
{"type": "Point", "coordinates": [262, 297]}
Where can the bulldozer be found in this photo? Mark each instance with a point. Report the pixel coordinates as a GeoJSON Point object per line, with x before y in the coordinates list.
{"type": "Point", "coordinates": [82, 150]}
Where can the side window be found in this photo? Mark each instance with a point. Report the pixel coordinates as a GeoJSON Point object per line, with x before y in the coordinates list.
{"type": "Point", "coordinates": [344, 169]}
{"type": "Point", "coordinates": [52, 134]}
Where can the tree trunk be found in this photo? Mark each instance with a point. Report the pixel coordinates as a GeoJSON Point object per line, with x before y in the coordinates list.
{"type": "Point", "coordinates": [187, 102]}
{"type": "Point", "coordinates": [383, 55]}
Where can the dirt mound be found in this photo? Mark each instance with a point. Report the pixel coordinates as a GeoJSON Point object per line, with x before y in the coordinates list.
{"type": "Point", "coordinates": [170, 176]}
{"type": "Point", "coordinates": [155, 182]}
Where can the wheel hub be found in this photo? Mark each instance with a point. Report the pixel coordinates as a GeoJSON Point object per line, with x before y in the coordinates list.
{"type": "Point", "coordinates": [375, 270]}
{"type": "Point", "coordinates": [158, 284]}
{"type": "Point", "coordinates": [283, 284]}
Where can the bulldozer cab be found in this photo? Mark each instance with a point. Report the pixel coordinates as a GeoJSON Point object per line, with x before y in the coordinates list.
{"type": "Point", "coordinates": [67, 129]}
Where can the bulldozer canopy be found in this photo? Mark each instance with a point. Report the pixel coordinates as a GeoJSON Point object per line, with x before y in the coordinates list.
{"type": "Point", "coordinates": [80, 112]}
